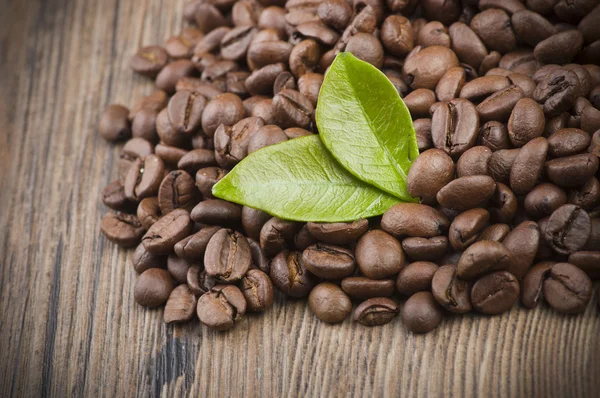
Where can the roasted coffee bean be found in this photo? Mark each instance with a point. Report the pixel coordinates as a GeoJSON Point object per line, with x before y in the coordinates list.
{"type": "Point", "coordinates": [450, 292]}
{"type": "Point", "coordinates": [276, 234]}
{"type": "Point", "coordinates": [397, 35]}
{"type": "Point", "coordinates": [557, 91]}
{"type": "Point", "coordinates": [495, 293]}
{"type": "Point", "coordinates": [424, 67]}
{"type": "Point", "coordinates": [366, 47]}
{"type": "Point", "coordinates": [273, 17]}
{"type": "Point", "coordinates": [443, 11]}
{"type": "Point", "coordinates": [206, 178]}
{"type": "Point", "coordinates": [450, 84]}
{"type": "Point", "coordinates": [587, 196]}
{"type": "Point", "coordinates": [290, 275]}
{"type": "Point", "coordinates": [412, 219]}
{"type": "Point", "coordinates": [335, 13]}
{"type": "Point", "coordinates": [234, 44]}
{"type": "Point", "coordinates": [169, 75]}
{"type": "Point", "coordinates": [454, 126]}
{"type": "Point", "coordinates": [196, 159]}
{"type": "Point", "coordinates": [113, 196]}
{"type": "Point", "coordinates": [178, 268]}
{"type": "Point", "coordinates": [285, 80]}
{"type": "Point", "coordinates": [226, 109]}
{"type": "Point", "coordinates": [495, 232]}
{"type": "Point", "coordinates": [494, 135]}
{"type": "Point", "coordinates": [319, 32]}
{"type": "Point", "coordinates": [572, 171]}
{"type": "Point", "coordinates": [265, 110]}
{"type": "Point", "coordinates": [429, 173]}
{"type": "Point", "coordinates": [231, 143]}
{"type": "Point", "coordinates": [167, 231]}
{"type": "Point", "coordinates": [585, 79]}
{"type": "Point", "coordinates": [560, 48]}
{"type": "Point", "coordinates": [167, 133]}
{"type": "Point", "coordinates": [423, 249]}
{"type": "Point", "coordinates": [415, 277]}
{"type": "Point", "coordinates": [199, 281]}
{"type": "Point", "coordinates": [309, 85]}
{"type": "Point", "coordinates": [133, 149]}
{"type": "Point", "coordinates": [499, 105]}
{"type": "Point", "coordinates": [208, 17]}
{"type": "Point", "coordinates": [588, 261]}
{"type": "Point", "coordinates": [489, 62]}
{"type": "Point", "coordinates": [376, 311]}
{"type": "Point", "coordinates": [525, 82]}
{"type": "Point", "coordinates": [193, 247]}
{"type": "Point", "coordinates": [148, 212]}
{"type": "Point", "coordinates": [379, 255]}
{"type": "Point", "coordinates": [556, 123]}
{"type": "Point", "coordinates": [329, 303]}
{"type": "Point", "coordinates": [523, 243]}
{"type": "Point", "coordinates": [531, 27]}
{"type": "Point", "coordinates": [261, 81]}
{"type": "Point", "coordinates": [114, 123]}
{"type": "Point", "coordinates": [329, 261]}
{"type": "Point", "coordinates": [292, 109]}
{"type": "Point", "coordinates": [423, 132]}
{"type": "Point", "coordinates": [177, 190]}
{"type": "Point", "coordinates": [360, 287]}
{"type": "Point", "coordinates": [340, 233]}
{"type": "Point", "coordinates": [478, 89]}
{"type": "Point", "coordinates": [501, 164]}
{"type": "Point", "coordinates": [567, 288]}
{"type": "Point", "coordinates": [227, 256]}
{"type": "Point", "coordinates": [543, 200]}
{"type": "Point", "coordinates": [304, 58]}
{"type": "Point", "coordinates": [267, 52]}
{"type": "Point", "coordinates": [142, 260]}
{"type": "Point", "coordinates": [257, 288]}
{"type": "Point", "coordinates": [474, 161]}
{"type": "Point", "coordinates": [149, 60]}
{"type": "Point", "coordinates": [121, 228]}
{"type": "Point", "coordinates": [466, 227]}
{"type": "Point", "coordinates": [253, 221]}
{"type": "Point", "coordinates": [531, 286]}
{"type": "Point", "coordinates": [467, 45]}
{"type": "Point", "coordinates": [419, 101]}
{"type": "Point", "coordinates": [421, 313]}
{"type": "Point", "coordinates": [568, 229]}
{"type": "Point", "coordinates": [519, 61]}
{"type": "Point", "coordinates": [528, 166]}
{"type": "Point", "coordinates": [434, 33]}
{"type": "Point", "coordinates": [304, 238]}
{"type": "Point", "coordinates": [296, 132]}
{"type": "Point", "coordinates": [143, 125]}
{"type": "Point", "coordinates": [153, 287]}
{"type": "Point", "coordinates": [526, 122]}
{"type": "Point", "coordinates": [180, 306]}
{"type": "Point", "coordinates": [503, 204]}
{"type": "Point", "coordinates": [221, 307]}
{"type": "Point", "coordinates": [185, 111]}
{"type": "Point", "coordinates": [466, 193]}
{"type": "Point", "coordinates": [144, 178]}
{"type": "Point", "coordinates": [482, 257]}
{"type": "Point", "coordinates": [494, 28]}
{"type": "Point", "coordinates": [569, 141]}
{"type": "Point", "coordinates": [217, 212]}
{"type": "Point", "coordinates": [259, 259]}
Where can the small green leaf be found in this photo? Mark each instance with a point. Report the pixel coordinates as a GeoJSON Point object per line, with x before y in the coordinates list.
{"type": "Point", "coordinates": [299, 180]}
{"type": "Point", "coordinates": [366, 126]}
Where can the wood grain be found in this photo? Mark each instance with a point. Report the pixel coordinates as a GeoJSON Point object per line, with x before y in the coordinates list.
{"type": "Point", "coordinates": [69, 326]}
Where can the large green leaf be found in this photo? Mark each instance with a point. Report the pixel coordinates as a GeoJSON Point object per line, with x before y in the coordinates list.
{"type": "Point", "coordinates": [366, 126]}
{"type": "Point", "coordinates": [299, 180]}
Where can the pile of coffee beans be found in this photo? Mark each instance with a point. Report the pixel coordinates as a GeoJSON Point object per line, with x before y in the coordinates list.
{"type": "Point", "coordinates": [505, 97]}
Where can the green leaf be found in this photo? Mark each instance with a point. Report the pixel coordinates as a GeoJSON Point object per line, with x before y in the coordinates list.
{"type": "Point", "coordinates": [366, 126]}
{"type": "Point", "coordinates": [299, 180]}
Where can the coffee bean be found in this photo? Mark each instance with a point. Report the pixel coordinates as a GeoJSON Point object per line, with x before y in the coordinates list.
{"type": "Point", "coordinates": [501, 164]}
{"type": "Point", "coordinates": [114, 123]}
{"type": "Point", "coordinates": [443, 11]}
{"type": "Point", "coordinates": [231, 143]}
{"type": "Point", "coordinates": [169, 75]}
{"type": "Point", "coordinates": [494, 28]}
{"type": "Point", "coordinates": [474, 161]}
{"type": "Point", "coordinates": [379, 255]}
{"type": "Point", "coordinates": [567, 288]}
{"type": "Point", "coordinates": [336, 13]}
{"type": "Point", "coordinates": [466, 193]}
{"type": "Point", "coordinates": [415, 277]}
{"type": "Point", "coordinates": [531, 286]}
{"type": "Point", "coordinates": [569, 141]}
{"type": "Point", "coordinates": [167, 231]}
{"type": "Point", "coordinates": [397, 35]}
{"type": "Point", "coordinates": [557, 91]}
{"type": "Point", "coordinates": [523, 243]}
{"type": "Point", "coordinates": [257, 288]}
{"type": "Point", "coordinates": [121, 228]}
{"type": "Point", "coordinates": [482, 257]}
{"type": "Point", "coordinates": [450, 84]}
{"type": "Point", "coordinates": [309, 85]}
{"type": "Point", "coordinates": [178, 268]}
{"type": "Point", "coordinates": [113, 196]}
{"type": "Point", "coordinates": [528, 166]}
{"type": "Point", "coordinates": [503, 204]}
{"type": "Point", "coordinates": [153, 287]}
{"type": "Point", "coordinates": [225, 109]}
{"type": "Point", "coordinates": [285, 80]}
{"type": "Point", "coordinates": [149, 60]}
{"type": "Point", "coordinates": [423, 249]}
{"type": "Point", "coordinates": [424, 67]}
{"type": "Point", "coordinates": [412, 219]}
{"type": "Point", "coordinates": [148, 212]}
{"type": "Point", "coordinates": [526, 122]}
{"type": "Point", "coordinates": [454, 126]}
{"type": "Point", "coordinates": [276, 234]}
{"type": "Point", "coordinates": [133, 149]}
{"type": "Point", "coordinates": [177, 190]}
{"type": "Point", "coordinates": [234, 44]}
{"type": "Point", "coordinates": [268, 52]}
{"type": "Point", "coordinates": [489, 62]}
{"type": "Point", "coordinates": [329, 261]}
{"type": "Point", "coordinates": [572, 171]}
{"type": "Point", "coordinates": [495, 232]}
{"type": "Point", "coordinates": [466, 228]}
{"type": "Point", "coordinates": [494, 135]}
{"type": "Point", "coordinates": [588, 261]}
{"type": "Point", "coordinates": [531, 27]}
{"type": "Point", "coordinates": [434, 33]}
{"type": "Point", "coordinates": [419, 101]}
{"type": "Point", "coordinates": [142, 260]}
{"type": "Point", "coordinates": [423, 132]}
{"type": "Point", "coordinates": [587, 196]}
{"type": "Point", "coordinates": [199, 281]}
{"type": "Point", "coordinates": [206, 178]}
{"type": "Point", "coordinates": [290, 275]}
{"type": "Point", "coordinates": [510, 6]}
{"type": "Point", "coordinates": [193, 247]}
{"type": "Point", "coordinates": [360, 287]}
{"type": "Point", "coordinates": [338, 233]}
{"type": "Point", "coordinates": [217, 212]}
{"type": "Point", "coordinates": [559, 48]}
{"type": "Point", "coordinates": [227, 256]}
{"type": "Point", "coordinates": [543, 200]}
{"type": "Point", "coordinates": [222, 307]}
{"type": "Point", "coordinates": [568, 229]}
{"type": "Point", "coordinates": [478, 89]}
{"type": "Point", "coordinates": [196, 159]}
{"type": "Point", "coordinates": [421, 313]}
{"type": "Point", "coordinates": [265, 110]}
{"type": "Point", "coordinates": [495, 293]}
{"type": "Point", "coordinates": [329, 303]}
{"type": "Point", "coordinates": [376, 311]}
{"type": "Point", "coordinates": [430, 171]}
{"type": "Point", "coordinates": [519, 61]}
{"type": "Point", "coordinates": [185, 111]}
{"type": "Point", "coordinates": [467, 45]}
{"type": "Point", "coordinates": [253, 221]}
{"type": "Point", "coordinates": [144, 178]}
{"type": "Point", "coordinates": [261, 81]}
{"type": "Point", "coordinates": [450, 292]}
{"type": "Point", "coordinates": [292, 109]}
{"type": "Point", "coordinates": [304, 58]}
{"type": "Point", "coordinates": [167, 133]}
{"type": "Point", "coordinates": [208, 17]}
{"type": "Point", "coordinates": [180, 306]}
{"type": "Point", "coordinates": [499, 105]}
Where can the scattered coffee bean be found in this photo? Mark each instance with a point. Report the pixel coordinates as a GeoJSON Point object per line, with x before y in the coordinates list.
{"type": "Point", "coordinates": [153, 287]}
{"type": "Point", "coordinates": [376, 311]}
{"type": "Point", "coordinates": [360, 287]}
{"type": "Point", "coordinates": [180, 306]}
{"type": "Point", "coordinates": [421, 313]}
{"type": "Point", "coordinates": [290, 275]}
{"type": "Point", "coordinates": [567, 288]}
{"type": "Point", "coordinates": [221, 307]}
{"type": "Point", "coordinates": [415, 277]}
{"type": "Point", "coordinates": [257, 288]}
{"type": "Point", "coordinates": [328, 261]}
{"type": "Point", "coordinates": [452, 293]}
{"type": "Point", "coordinates": [495, 293]}
{"type": "Point", "coordinates": [329, 303]}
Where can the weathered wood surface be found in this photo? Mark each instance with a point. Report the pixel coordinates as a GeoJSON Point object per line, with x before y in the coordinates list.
{"type": "Point", "coordinates": [68, 323]}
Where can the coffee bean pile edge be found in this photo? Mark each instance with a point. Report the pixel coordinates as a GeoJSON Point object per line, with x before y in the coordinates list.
{"type": "Point", "coordinates": [508, 127]}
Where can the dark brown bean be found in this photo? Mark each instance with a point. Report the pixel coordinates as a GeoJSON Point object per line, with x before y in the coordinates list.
{"type": "Point", "coordinates": [450, 292]}
{"type": "Point", "coordinates": [495, 293]}
{"type": "Point", "coordinates": [329, 303]}
{"type": "Point", "coordinates": [376, 311]}
{"type": "Point", "coordinates": [567, 288]}
{"type": "Point", "coordinates": [412, 219]}
{"type": "Point", "coordinates": [338, 233]}
{"type": "Point", "coordinates": [415, 277]}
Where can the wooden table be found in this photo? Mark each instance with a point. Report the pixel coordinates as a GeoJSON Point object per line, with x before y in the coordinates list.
{"type": "Point", "coordinates": [68, 322]}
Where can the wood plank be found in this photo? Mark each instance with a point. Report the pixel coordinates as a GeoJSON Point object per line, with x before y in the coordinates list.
{"type": "Point", "coordinates": [69, 323]}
